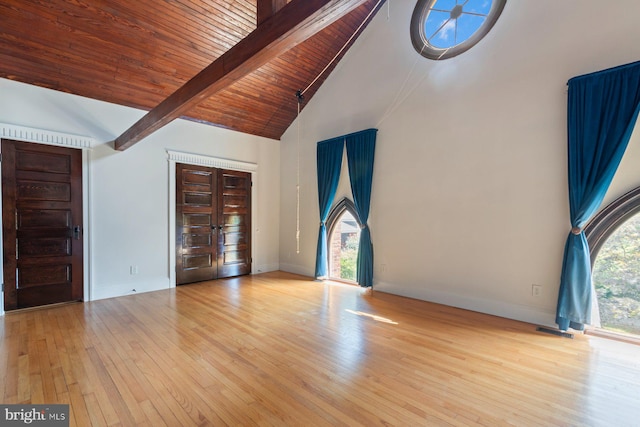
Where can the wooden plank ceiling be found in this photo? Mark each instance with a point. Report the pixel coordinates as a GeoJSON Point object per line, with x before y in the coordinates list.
{"type": "Point", "coordinates": [137, 53]}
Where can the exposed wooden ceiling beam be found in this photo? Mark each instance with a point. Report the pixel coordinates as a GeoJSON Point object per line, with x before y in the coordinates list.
{"type": "Point", "coordinates": [293, 24]}
{"type": "Point", "coordinates": [267, 8]}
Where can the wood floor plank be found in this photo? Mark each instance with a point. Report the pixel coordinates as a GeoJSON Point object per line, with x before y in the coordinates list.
{"type": "Point", "coordinates": [93, 410]}
{"type": "Point", "coordinates": [279, 349]}
{"type": "Point", "coordinates": [168, 396]}
{"type": "Point", "coordinates": [154, 405]}
{"type": "Point", "coordinates": [48, 381]}
{"type": "Point", "coordinates": [152, 414]}
{"type": "Point", "coordinates": [78, 411]}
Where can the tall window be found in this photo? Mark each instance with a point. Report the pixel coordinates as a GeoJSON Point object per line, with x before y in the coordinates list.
{"type": "Point", "coordinates": [343, 236]}
{"type": "Point", "coordinates": [614, 238]}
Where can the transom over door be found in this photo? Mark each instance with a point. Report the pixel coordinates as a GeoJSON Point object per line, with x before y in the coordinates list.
{"type": "Point", "coordinates": [41, 224]}
{"type": "Point", "coordinates": [213, 223]}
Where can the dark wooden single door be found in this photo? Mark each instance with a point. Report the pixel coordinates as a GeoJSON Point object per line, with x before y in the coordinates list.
{"type": "Point", "coordinates": [213, 223]}
{"type": "Point", "coordinates": [196, 224]}
{"type": "Point", "coordinates": [234, 223]}
{"type": "Point", "coordinates": [41, 224]}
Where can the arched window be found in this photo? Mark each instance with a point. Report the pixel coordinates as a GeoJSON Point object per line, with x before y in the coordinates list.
{"type": "Point", "coordinates": [614, 240]}
{"type": "Point", "coordinates": [442, 29]}
{"type": "Point", "coordinates": [343, 225]}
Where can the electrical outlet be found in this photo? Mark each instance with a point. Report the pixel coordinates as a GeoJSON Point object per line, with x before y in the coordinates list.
{"type": "Point", "coordinates": [133, 270]}
{"type": "Point", "coordinates": [383, 267]}
{"type": "Point", "coordinates": [536, 290]}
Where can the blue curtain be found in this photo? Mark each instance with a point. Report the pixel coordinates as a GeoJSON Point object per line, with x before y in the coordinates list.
{"type": "Point", "coordinates": [329, 158]}
{"type": "Point", "coordinates": [361, 148]}
{"type": "Point", "coordinates": [602, 111]}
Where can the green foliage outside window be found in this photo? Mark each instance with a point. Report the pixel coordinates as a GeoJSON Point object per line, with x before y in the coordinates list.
{"type": "Point", "coordinates": [348, 258]}
{"type": "Point", "coordinates": [616, 277]}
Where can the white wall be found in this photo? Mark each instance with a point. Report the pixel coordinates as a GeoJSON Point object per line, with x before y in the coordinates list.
{"type": "Point", "coordinates": [129, 191]}
{"type": "Point", "coordinates": [469, 204]}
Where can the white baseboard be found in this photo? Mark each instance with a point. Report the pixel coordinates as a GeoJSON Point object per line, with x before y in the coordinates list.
{"type": "Point", "coordinates": [264, 268]}
{"type": "Point", "coordinates": [296, 269]}
{"type": "Point", "coordinates": [103, 292]}
{"type": "Point", "coordinates": [518, 312]}
{"type": "Point", "coordinates": [511, 311]}
{"type": "Point", "coordinates": [110, 291]}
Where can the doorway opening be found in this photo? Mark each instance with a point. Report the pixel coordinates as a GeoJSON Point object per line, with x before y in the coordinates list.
{"type": "Point", "coordinates": [42, 224]}
{"type": "Point", "coordinates": [344, 237]}
{"type": "Point", "coordinates": [213, 223]}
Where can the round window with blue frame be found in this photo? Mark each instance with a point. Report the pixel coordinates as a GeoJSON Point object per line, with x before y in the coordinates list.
{"type": "Point", "coordinates": [442, 29]}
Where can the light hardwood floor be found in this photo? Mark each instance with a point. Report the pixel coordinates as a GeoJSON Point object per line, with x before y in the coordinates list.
{"type": "Point", "coordinates": [279, 349]}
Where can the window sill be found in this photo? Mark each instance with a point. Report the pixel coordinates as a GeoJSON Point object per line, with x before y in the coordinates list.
{"type": "Point", "coordinates": [618, 336]}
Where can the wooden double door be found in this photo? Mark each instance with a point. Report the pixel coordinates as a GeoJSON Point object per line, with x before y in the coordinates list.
{"type": "Point", "coordinates": [213, 223]}
{"type": "Point", "coordinates": [41, 224]}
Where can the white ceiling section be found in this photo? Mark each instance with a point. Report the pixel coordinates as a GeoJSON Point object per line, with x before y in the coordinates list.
{"type": "Point", "coordinates": [469, 204]}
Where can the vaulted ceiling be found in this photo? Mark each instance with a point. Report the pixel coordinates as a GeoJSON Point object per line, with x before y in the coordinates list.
{"type": "Point", "coordinates": [137, 53]}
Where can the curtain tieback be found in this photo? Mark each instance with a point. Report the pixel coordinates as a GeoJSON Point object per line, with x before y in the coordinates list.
{"type": "Point", "coordinates": [363, 226]}
{"type": "Point", "coordinates": [576, 230]}
{"type": "Point", "coordinates": [321, 223]}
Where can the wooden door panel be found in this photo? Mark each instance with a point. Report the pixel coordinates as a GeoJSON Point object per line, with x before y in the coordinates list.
{"type": "Point", "coordinates": [236, 219]}
{"type": "Point", "coordinates": [43, 247]}
{"type": "Point", "coordinates": [29, 219]}
{"type": "Point", "coordinates": [213, 223]}
{"type": "Point", "coordinates": [235, 203]}
{"type": "Point", "coordinates": [43, 191]}
{"type": "Point", "coordinates": [197, 240]}
{"type": "Point", "coordinates": [30, 161]}
{"type": "Point", "coordinates": [197, 220]}
{"type": "Point", "coordinates": [232, 257]}
{"type": "Point", "coordinates": [193, 198]}
{"type": "Point", "coordinates": [197, 177]}
{"type": "Point", "coordinates": [42, 224]}
{"type": "Point", "coordinates": [198, 261]}
{"type": "Point", "coordinates": [43, 295]}
{"type": "Point", "coordinates": [234, 195]}
{"type": "Point", "coordinates": [196, 216]}
{"type": "Point", "coordinates": [235, 238]}
{"type": "Point", "coordinates": [38, 275]}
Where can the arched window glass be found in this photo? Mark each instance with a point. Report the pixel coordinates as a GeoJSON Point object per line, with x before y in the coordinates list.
{"type": "Point", "coordinates": [442, 29]}
{"type": "Point", "coordinates": [616, 278]}
{"type": "Point", "coordinates": [343, 237]}
{"type": "Point", "coordinates": [614, 240]}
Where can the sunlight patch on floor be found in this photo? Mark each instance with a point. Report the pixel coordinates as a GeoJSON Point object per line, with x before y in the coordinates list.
{"type": "Point", "coordinates": [372, 316]}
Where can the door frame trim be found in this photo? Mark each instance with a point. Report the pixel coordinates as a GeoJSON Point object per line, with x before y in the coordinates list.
{"type": "Point", "coordinates": [42, 136]}
{"type": "Point", "coordinates": [60, 139]}
{"type": "Point", "coordinates": [174, 157]}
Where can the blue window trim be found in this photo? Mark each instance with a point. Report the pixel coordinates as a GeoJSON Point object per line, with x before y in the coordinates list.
{"type": "Point", "coordinates": [609, 219]}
